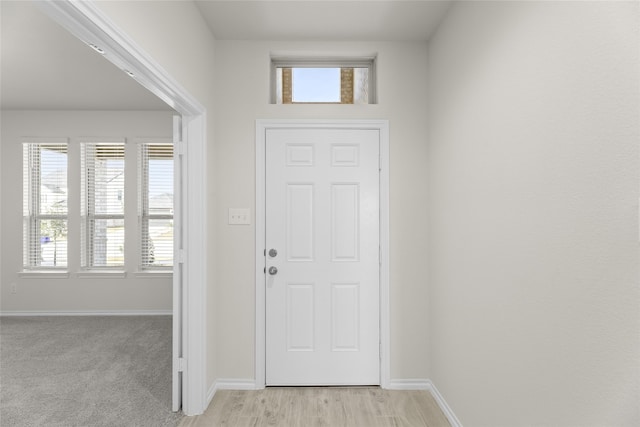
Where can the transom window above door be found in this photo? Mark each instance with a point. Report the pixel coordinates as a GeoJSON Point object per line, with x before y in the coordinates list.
{"type": "Point", "coordinates": [323, 81]}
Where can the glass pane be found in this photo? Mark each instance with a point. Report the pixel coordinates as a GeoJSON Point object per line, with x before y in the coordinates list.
{"type": "Point", "coordinates": [159, 246]}
{"type": "Point", "coordinates": [109, 179]}
{"type": "Point", "coordinates": [316, 84]}
{"type": "Point", "coordinates": [161, 186]}
{"type": "Point", "coordinates": [360, 85]}
{"type": "Point", "coordinates": [108, 242]}
{"type": "Point", "coordinates": [53, 182]}
{"type": "Point", "coordinates": [278, 85]}
{"type": "Point", "coordinates": [52, 243]}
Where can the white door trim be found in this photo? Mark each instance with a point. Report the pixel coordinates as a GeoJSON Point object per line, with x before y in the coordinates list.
{"type": "Point", "coordinates": [85, 21]}
{"type": "Point", "coordinates": [261, 130]}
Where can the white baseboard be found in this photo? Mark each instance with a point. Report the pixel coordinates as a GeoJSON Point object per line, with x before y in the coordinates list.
{"type": "Point", "coordinates": [235, 384]}
{"type": "Point", "coordinates": [210, 394]}
{"type": "Point", "coordinates": [27, 313]}
{"type": "Point", "coordinates": [409, 384]}
{"type": "Point", "coordinates": [230, 384]}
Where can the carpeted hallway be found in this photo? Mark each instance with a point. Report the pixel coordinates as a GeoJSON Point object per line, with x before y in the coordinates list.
{"type": "Point", "coordinates": [86, 371]}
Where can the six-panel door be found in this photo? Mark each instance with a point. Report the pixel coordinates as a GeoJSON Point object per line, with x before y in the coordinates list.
{"type": "Point", "coordinates": [322, 222]}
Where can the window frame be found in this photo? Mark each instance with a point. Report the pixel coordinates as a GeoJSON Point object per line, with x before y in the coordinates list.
{"type": "Point", "coordinates": [31, 191]}
{"type": "Point", "coordinates": [368, 62]}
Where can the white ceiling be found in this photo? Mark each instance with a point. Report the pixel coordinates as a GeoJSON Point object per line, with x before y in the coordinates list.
{"type": "Point", "coordinates": [44, 67]}
{"type": "Point", "coordinates": [355, 20]}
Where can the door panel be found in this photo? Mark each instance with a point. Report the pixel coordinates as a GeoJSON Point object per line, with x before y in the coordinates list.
{"type": "Point", "coordinates": [345, 222]}
{"type": "Point", "coordinates": [322, 218]}
{"type": "Point", "coordinates": [299, 219]}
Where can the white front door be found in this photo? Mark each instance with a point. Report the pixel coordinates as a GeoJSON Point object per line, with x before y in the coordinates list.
{"type": "Point", "coordinates": [322, 257]}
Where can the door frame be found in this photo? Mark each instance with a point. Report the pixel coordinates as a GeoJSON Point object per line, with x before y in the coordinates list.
{"type": "Point", "coordinates": [88, 23]}
{"type": "Point", "coordinates": [261, 137]}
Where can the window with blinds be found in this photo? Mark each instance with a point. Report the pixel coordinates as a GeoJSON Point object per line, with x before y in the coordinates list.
{"type": "Point", "coordinates": [155, 205]}
{"type": "Point", "coordinates": [45, 209]}
{"type": "Point", "coordinates": [102, 204]}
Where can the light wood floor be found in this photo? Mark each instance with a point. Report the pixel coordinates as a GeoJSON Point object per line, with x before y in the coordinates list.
{"type": "Point", "coordinates": [321, 406]}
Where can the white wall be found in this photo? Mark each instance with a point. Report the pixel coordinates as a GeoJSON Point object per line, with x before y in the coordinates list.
{"type": "Point", "coordinates": [72, 294]}
{"type": "Point", "coordinates": [235, 90]}
{"type": "Point", "coordinates": [533, 207]}
{"type": "Point", "coordinates": [242, 96]}
{"type": "Point", "coordinates": [175, 35]}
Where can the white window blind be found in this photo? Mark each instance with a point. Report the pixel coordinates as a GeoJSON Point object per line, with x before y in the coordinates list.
{"type": "Point", "coordinates": [102, 204]}
{"type": "Point", "coordinates": [155, 205]}
{"type": "Point", "coordinates": [45, 209]}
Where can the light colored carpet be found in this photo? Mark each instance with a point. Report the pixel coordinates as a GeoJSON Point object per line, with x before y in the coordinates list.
{"type": "Point", "coordinates": [86, 371]}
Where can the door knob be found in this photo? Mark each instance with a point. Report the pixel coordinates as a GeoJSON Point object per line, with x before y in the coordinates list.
{"type": "Point", "coordinates": [273, 271]}
{"type": "Point", "coordinates": [273, 253]}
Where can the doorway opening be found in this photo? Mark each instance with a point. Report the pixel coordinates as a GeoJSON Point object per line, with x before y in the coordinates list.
{"type": "Point", "coordinates": [92, 26]}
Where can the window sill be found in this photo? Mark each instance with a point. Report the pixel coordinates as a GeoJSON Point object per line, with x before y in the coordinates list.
{"type": "Point", "coordinates": [153, 274]}
{"type": "Point", "coordinates": [43, 274]}
{"type": "Point", "coordinates": [96, 274]}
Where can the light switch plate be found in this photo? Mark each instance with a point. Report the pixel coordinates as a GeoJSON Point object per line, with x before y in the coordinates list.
{"type": "Point", "coordinates": [239, 216]}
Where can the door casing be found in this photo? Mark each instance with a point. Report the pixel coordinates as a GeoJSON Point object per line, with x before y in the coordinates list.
{"type": "Point", "coordinates": [261, 130]}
